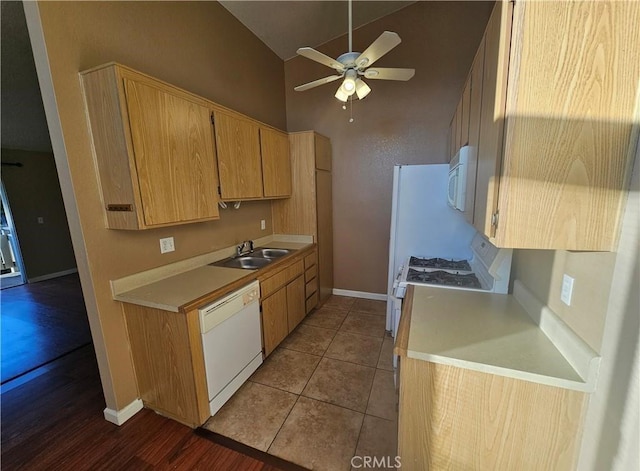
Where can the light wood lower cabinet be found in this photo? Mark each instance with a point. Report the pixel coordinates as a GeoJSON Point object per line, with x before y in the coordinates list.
{"type": "Point", "coordinates": [455, 418]}
{"type": "Point", "coordinates": [283, 301]}
{"type": "Point", "coordinates": [275, 326]}
{"type": "Point", "coordinates": [167, 354]}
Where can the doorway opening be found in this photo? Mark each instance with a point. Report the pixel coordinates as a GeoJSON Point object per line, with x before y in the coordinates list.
{"type": "Point", "coordinates": [12, 273]}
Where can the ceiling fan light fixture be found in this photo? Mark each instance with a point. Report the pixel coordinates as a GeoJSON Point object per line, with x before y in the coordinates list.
{"type": "Point", "coordinates": [349, 84]}
{"type": "Point", "coordinates": [362, 89]}
{"type": "Point", "coordinates": [342, 95]}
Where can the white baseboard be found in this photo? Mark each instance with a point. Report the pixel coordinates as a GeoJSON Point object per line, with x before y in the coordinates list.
{"type": "Point", "coordinates": [359, 294]}
{"type": "Point", "coordinates": [119, 417]}
{"type": "Point", "coordinates": [53, 275]}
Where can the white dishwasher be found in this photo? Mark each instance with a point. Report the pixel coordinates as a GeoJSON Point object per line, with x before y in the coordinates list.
{"type": "Point", "coordinates": [232, 342]}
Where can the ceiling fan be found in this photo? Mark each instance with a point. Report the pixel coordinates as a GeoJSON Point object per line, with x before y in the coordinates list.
{"type": "Point", "coordinates": [351, 66]}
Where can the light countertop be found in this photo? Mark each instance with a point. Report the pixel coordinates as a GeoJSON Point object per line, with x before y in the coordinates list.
{"type": "Point", "coordinates": [171, 290]}
{"type": "Point", "coordinates": [486, 332]}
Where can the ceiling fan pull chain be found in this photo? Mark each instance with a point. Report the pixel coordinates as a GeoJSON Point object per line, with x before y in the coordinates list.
{"type": "Point", "coordinates": [351, 107]}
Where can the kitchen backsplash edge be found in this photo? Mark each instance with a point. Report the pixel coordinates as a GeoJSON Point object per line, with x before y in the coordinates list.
{"type": "Point", "coordinates": [576, 351]}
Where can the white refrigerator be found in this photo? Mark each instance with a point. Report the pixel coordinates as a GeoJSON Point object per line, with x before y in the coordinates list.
{"type": "Point", "coordinates": [422, 224]}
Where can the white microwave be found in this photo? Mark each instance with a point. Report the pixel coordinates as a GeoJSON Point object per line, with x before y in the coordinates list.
{"type": "Point", "coordinates": [458, 179]}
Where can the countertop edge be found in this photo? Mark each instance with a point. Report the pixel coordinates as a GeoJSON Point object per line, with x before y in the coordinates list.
{"type": "Point", "coordinates": [500, 371]}
{"type": "Point", "coordinates": [215, 292]}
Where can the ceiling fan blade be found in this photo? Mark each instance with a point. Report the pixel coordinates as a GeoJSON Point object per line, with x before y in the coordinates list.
{"type": "Point", "coordinates": [317, 83]}
{"type": "Point", "coordinates": [385, 42]}
{"type": "Point", "coordinates": [384, 73]}
{"type": "Point", "coordinates": [323, 59]}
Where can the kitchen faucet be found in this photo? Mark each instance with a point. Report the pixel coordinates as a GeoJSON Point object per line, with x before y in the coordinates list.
{"type": "Point", "coordinates": [244, 248]}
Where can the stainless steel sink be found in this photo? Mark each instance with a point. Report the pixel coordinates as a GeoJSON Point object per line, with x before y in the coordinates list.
{"type": "Point", "coordinates": [256, 259]}
{"type": "Point", "coordinates": [270, 253]}
{"type": "Point", "coordinates": [247, 263]}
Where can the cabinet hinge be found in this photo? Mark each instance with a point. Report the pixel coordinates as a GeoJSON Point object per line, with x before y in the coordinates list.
{"type": "Point", "coordinates": [494, 219]}
{"type": "Point", "coordinates": [219, 190]}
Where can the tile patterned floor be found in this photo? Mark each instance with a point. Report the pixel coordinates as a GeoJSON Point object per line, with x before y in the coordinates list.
{"type": "Point", "coordinates": [325, 395]}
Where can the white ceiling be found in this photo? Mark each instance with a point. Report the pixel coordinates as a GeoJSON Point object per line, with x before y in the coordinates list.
{"type": "Point", "coordinates": [286, 26]}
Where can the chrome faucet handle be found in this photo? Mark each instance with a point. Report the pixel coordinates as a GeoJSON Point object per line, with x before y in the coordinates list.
{"type": "Point", "coordinates": [244, 248]}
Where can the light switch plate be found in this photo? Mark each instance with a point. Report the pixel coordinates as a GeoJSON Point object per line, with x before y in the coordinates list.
{"type": "Point", "coordinates": [567, 289]}
{"type": "Point", "coordinates": [167, 245]}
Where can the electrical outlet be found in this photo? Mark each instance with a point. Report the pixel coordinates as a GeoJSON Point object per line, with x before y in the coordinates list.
{"type": "Point", "coordinates": [166, 245]}
{"type": "Point", "coordinates": [263, 224]}
{"type": "Point", "coordinates": [567, 289]}
{"type": "Point", "coordinates": [40, 220]}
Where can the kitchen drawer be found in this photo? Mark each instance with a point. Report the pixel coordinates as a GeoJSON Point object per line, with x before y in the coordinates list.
{"type": "Point", "coordinates": [312, 302]}
{"type": "Point", "coordinates": [311, 273]}
{"type": "Point", "coordinates": [310, 288]}
{"type": "Point", "coordinates": [271, 284]}
{"type": "Point", "coordinates": [310, 260]}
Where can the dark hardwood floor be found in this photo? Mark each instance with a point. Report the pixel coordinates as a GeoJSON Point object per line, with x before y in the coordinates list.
{"type": "Point", "coordinates": [55, 422]}
{"type": "Point", "coordinates": [41, 322]}
{"type": "Point", "coordinates": [52, 417]}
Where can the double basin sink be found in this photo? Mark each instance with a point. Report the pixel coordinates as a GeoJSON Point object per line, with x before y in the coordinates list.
{"type": "Point", "coordinates": [254, 260]}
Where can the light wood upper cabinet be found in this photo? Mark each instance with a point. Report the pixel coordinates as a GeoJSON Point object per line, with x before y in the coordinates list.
{"type": "Point", "coordinates": [239, 161]}
{"type": "Point", "coordinates": [276, 163]}
{"type": "Point", "coordinates": [154, 150]}
{"type": "Point", "coordinates": [558, 124]}
{"type": "Point", "coordinates": [253, 160]}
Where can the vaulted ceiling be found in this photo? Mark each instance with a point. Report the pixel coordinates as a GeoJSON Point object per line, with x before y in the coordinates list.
{"type": "Point", "coordinates": [286, 26]}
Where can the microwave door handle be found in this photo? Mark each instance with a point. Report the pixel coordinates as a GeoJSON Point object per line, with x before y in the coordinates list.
{"type": "Point", "coordinates": [452, 183]}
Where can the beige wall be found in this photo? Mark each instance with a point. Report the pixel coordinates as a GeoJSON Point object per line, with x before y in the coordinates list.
{"type": "Point", "coordinates": [194, 45]}
{"type": "Point", "coordinates": [33, 191]}
{"type": "Point", "coordinates": [542, 272]}
{"type": "Point", "coordinates": [399, 122]}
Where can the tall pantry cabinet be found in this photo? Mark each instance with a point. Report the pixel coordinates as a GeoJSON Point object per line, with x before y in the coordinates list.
{"type": "Point", "coordinates": [309, 210]}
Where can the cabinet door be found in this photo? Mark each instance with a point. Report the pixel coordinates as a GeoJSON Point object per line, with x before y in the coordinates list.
{"type": "Point", "coordinates": [276, 163]}
{"type": "Point", "coordinates": [494, 86]}
{"type": "Point", "coordinates": [453, 137]}
{"type": "Point", "coordinates": [466, 101]}
{"type": "Point", "coordinates": [474, 109]}
{"type": "Point", "coordinates": [325, 233]}
{"type": "Point", "coordinates": [295, 302]}
{"type": "Point", "coordinates": [458, 126]}
{"type": "Point", "coordinates": [239, 162]}
{"type": "Point", "coordinates": [274, 320]}
{"type": "Point", "coordinates": [174, 155]}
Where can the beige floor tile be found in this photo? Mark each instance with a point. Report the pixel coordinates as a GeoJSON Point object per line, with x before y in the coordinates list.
{"type": "Point", "coordinates": [341, 383]}
{"type": "Point", "coordinates": [329, 318]}
{"type": "Point", "coordinates": [379, 439]}
{"type": "Point", "coordinates": [370, 306]}
{"type": "Point", "coordinates": [309, 339]}
{"type": "Point", "coordinates": [286, 369]}
{"type": "Point", "coordinates": [318, 436]}
{"type": "Point", "coordinates": [253, 415]}
{"type": "Point", "coordinates": [385, 361]}
{"type": "Point", "coordinates": [364, 324]}
{"type": "Point", "coordinates": [339, 302]}
{"type": "Point", "coordinates": [383, 400]}
{"type": "Point", "coordinates": [355, 348]}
